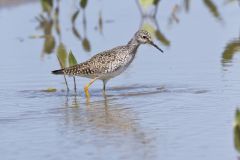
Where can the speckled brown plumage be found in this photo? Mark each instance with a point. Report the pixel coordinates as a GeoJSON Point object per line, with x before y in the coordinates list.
{"type": "Point", "coordinates": [110, 63]}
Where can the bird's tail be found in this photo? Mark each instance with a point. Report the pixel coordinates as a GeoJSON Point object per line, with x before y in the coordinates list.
{"type": "Point", "coordinates": [60, 71]}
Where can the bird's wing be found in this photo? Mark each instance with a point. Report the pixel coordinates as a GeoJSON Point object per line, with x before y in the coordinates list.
{"type": "Point", "coordinates": [101, 63]}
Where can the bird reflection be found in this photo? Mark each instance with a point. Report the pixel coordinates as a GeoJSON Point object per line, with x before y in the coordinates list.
{"type": "Point", "coordinates": [106, 118]}
{"type": "Point", "coordinates": [101, 115]}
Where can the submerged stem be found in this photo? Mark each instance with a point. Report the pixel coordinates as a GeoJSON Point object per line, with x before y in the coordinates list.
{"type": "Point", "coordinates": [75, 86]}
{"type": "Point", "coordinates": [63, 74]}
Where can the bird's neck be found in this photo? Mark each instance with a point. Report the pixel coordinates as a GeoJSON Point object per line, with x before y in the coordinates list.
{"type": "Point", "coordinates": [134, 44]}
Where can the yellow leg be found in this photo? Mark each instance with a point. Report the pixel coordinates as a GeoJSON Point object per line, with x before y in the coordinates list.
{"type": "Point", "coordinates": [88, 85]}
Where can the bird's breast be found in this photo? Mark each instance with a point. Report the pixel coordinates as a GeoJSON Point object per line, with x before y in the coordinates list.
{"type": "Point", "coordinates": [119, 65]}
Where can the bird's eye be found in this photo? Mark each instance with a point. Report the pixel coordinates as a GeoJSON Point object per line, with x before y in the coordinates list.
{"type": "Point", "coordinates": [144, 37]}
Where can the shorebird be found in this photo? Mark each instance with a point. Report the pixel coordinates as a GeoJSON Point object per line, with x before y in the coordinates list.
{"type": "Point", "coordinates": [110, 63]}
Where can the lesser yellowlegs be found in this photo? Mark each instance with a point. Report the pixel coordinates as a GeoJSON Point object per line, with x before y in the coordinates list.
{"type": "Point", "coordinates": [110, 63]}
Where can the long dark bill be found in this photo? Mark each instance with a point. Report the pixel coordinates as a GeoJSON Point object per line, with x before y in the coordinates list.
{"type": "Point", "coordinates": [154, 45]}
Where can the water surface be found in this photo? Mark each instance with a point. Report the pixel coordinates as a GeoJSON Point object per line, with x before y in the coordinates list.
{"type": "Point", "coordinates": [176, 105]}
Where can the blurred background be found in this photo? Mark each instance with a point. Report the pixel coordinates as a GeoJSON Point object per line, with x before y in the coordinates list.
{"type": "Point", "coordinates": [182, 104]}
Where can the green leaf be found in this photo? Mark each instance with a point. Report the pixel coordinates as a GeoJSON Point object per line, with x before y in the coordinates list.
{"type": "Point", "coordinates": [76, 33]}
{"type": "Point", "coordinates": [57, 28]}
{"type": "Point", "coordinates": [49, 44]}
{"type": "Point", "coordinates": [47, 26]}
{"type": "Point", "coordinates": [147, 3]}
{"type": "Point", "coordinates": [74, 16]}
{"type": "Point", "coordinates": [86, 45]}
{"type": "Point", "coordinates": [148, 27]}
{"type": "Point", "coordinates": [237, 117]}
{"type": "Point", "coordinates": [237, 138]}
{"type": "Point", "coordinates": [49, 90]}
{"type": "Point", "coordinates": [213, 8]}
{"type": "Point", "coordinates": [230, 50]}
{"type": "Point", "coordinates": [155, 2]}
{"type": "Point", "coordinates": [237, 131]}
{"type": "Point", "coordinates": [62, 55]}
{"type": "Point", "coordinates": [71, 59]}
{"type": "Point", "coordinates": [83, 3]}
{"type": "Point", "coordinates": [56, 20]}
{"type": "Point", "coordinates": [162, 38]}
{"type": "Point", "coordinates": [100, 22]}
{"type": "Point", "coordinates": [47, 5]}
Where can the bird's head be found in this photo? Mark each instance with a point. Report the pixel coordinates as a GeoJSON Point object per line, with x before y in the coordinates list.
{"type": "Point", "coordinates": [144, 37]}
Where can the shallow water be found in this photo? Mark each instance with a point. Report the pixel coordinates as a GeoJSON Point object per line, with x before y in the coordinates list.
{"type": "Point", "coordinates": [176, 105]}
